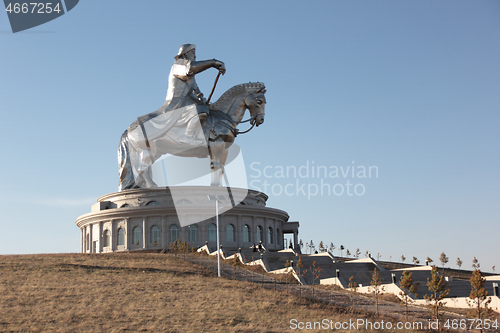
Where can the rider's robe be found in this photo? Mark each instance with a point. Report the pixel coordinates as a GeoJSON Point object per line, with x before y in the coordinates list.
{"type": "Point", "coordinates": [175, 126]}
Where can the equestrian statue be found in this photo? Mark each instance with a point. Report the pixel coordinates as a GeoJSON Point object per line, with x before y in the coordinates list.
{"type": "Point", "coordinates": [187, 124]}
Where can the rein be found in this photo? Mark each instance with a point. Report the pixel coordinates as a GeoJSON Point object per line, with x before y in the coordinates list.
{"type": "Point", "coordinates": [235, 130]}
{"type": "Point", "coordinates": [248, 130]}
{"type": "Point", "coordinates": [244, 121]}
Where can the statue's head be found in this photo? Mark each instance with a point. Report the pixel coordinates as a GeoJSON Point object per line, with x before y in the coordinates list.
{"type": "Point", "coordinates": [185, 49]}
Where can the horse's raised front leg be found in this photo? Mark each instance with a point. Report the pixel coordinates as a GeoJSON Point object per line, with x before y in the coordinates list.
{"type": "Point", "coordinates": [218, 155]}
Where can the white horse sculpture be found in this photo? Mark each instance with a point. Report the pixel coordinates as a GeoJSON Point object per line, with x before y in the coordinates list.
{"type": "Point", "coordinates": [178, 132]}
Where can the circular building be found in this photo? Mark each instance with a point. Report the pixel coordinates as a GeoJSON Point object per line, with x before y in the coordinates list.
{"type": "Point", "coordinates": [153, 218]}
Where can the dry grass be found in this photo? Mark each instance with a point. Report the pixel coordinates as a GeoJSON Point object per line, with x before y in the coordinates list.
{"type": "Point", "coordinates": [141, 292]}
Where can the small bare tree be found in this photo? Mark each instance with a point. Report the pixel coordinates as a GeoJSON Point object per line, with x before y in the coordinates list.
{"type": "Point", "coordinates": [332, 247]}
{"type": "Point", "coordinates": [236, 263]}
{"type": "Point", "coordinates": [304, 272]}
{"type": "Point", "coordinates": [312, 246]}
{"type": "Point", "coordinates": [415, 261]}
{"type": "Point", "coordinates": [316, 272]}
{"type": "Point", "coordinates": [377, 287]}
{"type": "Point", "coordinates": [408, 288]}
{"type": "Point", "coordinates": [459, 263]}
{"type": "Point", "coordinates": [437, 287]}
{"type": "Point", "coordinates": [479, 299]}
{"type": "Point", "coordinates": [353, 287]}
{"type": "Point", "coordinates": [444, 259]}
{"type": "Point", "coordinates": [475, 263]}
{"type": "Point", "coordinates": [300, 265]}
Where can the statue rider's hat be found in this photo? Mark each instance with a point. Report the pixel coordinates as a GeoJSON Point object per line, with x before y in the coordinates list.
{"type": "Point", "coordinates": [185, 49]}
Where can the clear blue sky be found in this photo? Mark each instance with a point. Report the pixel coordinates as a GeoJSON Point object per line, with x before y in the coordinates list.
{"type": "Point", "coordinates": [411, 87]}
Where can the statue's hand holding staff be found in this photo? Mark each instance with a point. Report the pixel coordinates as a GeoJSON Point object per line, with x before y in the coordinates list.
{"type": "Point", "coordinates": [220, 66]}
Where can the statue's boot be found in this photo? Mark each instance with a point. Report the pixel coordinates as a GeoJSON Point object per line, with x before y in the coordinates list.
{"type": "Point", "coordinates": [203, 117]}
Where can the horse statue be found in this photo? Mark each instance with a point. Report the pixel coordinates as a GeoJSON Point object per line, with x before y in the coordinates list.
{"type": "Point", "coordinates": [179, 132]}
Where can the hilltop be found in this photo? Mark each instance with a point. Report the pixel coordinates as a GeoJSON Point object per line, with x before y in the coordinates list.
{"type": "Point", "coordinates": [138, 292]}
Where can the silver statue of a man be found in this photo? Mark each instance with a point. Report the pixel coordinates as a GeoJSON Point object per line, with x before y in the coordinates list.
{"type": "Point", "coordinates": [182, 87]}
{"type": "Point", "coordinates": [178, 122]}
{"type": "Point", "coordinates": [180, 127]}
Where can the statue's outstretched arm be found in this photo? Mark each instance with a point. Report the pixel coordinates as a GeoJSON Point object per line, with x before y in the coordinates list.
{"type": "Point", "coordinates": [200, 66]}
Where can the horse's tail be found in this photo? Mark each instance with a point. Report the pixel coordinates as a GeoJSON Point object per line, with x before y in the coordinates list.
{"type": "Point", "coordinates": [125, 172]}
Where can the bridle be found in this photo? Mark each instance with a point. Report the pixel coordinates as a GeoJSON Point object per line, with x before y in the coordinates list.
{"type": "Point", "coordinates": [250, 119]}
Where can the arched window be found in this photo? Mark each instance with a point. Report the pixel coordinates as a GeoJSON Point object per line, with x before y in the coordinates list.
{"type": "Point", "coordinates": [105, 238]}
{"type": "Point", "coordinates": [155, 234]}
{"type": "Point", "coordinates": [137, 236]}
{"type": "Point", "coordinates": [246, 233]}
{"type": "Point", "coordinates": [270, 235]}
{"type": "Point", "coordinates": [121, 237]}
{"type": "Point", "coordinates": [212, 233]}
{"type": "Point", "coordinates": [183, 202]}
{"type": "Point", "coordinates": [230, 233]}
{"type": "Point", "coordinates": [153, 203]}
{"type": "Point", "coordinates": [173, 233]}
{"type": "Point", "coordinates": [125, 205]}
{"type": "Point", "coordinates": [260, 236]}
{"type": "Point", "coordinates": [193, 233]}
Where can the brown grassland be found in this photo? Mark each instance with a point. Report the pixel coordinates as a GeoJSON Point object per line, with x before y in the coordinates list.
{"type": "Point", "coordinates": [144, 292]}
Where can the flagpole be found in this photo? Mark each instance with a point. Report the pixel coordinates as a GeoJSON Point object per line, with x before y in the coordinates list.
{"type": "Point", "coordinates": [218, 238]}
{"type": "Point", "coordinates": [216, 198]}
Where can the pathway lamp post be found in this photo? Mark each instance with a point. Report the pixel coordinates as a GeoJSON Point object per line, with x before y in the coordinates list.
{"type": "Point", "coordinates": [217, 198]}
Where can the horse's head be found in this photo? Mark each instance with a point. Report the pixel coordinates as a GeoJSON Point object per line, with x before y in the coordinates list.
{"type": "Point", "coordinates": [256, 104]}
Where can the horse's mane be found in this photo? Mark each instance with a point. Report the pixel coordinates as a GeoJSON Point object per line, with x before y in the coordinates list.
{"type": "Point", "coordinates": [233, 92]}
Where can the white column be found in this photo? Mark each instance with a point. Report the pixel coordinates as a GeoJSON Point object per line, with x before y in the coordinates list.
{"type": "Point", "coordinates": [113, 239]}
{"type": "Point", "coordinates": [164, 232]}
{"type": "Point", "coordinates": [127, 234]}
{"type": "Point", "coordinates": [100, 236]}
{"type": "Point", "coordinates": [238, 229]}
{"type": "Point", "coordinates": [265, 232]}
{"type": "Point", "coordinates": [144, 233]}
{"type": "Point", "coordinates": [253, 231]}
{"type": "Point", "coordinates": [91, 238]}
{"type": "Point", "coordinates": [85, 239]}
